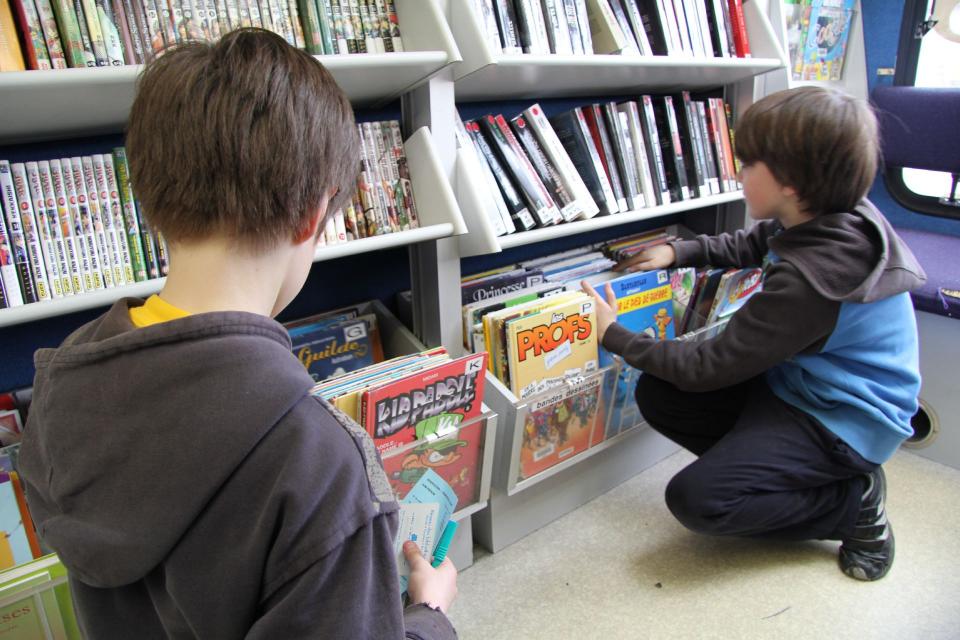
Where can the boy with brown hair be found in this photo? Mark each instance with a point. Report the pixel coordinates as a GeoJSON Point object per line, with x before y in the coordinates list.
{"type": "Point", "coordinates": [811, 387]}
{"type": "Point", "coordinates": [174, 458]}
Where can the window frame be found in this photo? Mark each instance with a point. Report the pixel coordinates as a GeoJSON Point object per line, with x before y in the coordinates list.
{"type": "Point", "coordinates": [905, 75]}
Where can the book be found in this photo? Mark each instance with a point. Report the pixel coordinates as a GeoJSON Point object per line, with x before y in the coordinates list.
{"type": "Point", "coordinates": [824, 44]}
{"type": "Point", "coordinates": [18, 542]}
{"type": "Point", "coordinates": [552, 344]}
{"type": "Point", "coordinates": [431, 400]}
{"type": "Point", "coordinates": [35, 234]}
{"type": "Point", "coordinates": [35, 602]}
{"type": "Point", "coordinates": [89, 265]}
{"type": "Point", "coordinates": [573, 27]}
{"type": "Point", "coordinates": [19, 253]}
{"type": "Point", "coordinates": [636, 25]}
{"type": "Point", "coordinates": [607, 35]}
{"type": "Point", "coordinates": [500, 284]}
{"type": "Point", "coordinates": [34, 45]}
{"type": "Point", "coordinates": [69, 27]}
{"type": "Point", "coordinates": [735, 288]}
{"type": "Point", "coordinates": [560, 424]}
{"type": "Point", "coordinates": [682, 281]}
{"type": "Point", "coordinates": [51, 36]}
{"type": "Point", "coordinates": [598, 132]}
{"type": "Point", "coordinates": [332, 348]}
{"type": "Point", "coordinates": [494, 205]}
{"type": "Point", "coordinates": [708, 281]}
{"type": "Point", "coordinates": [740, 39]}
{"type": "Point", "coordinates": [507, 21]}
{"type": "Point", "coordinates": [574, 135]}
{"type": "Point", "coordinates": [473, 313]}
{"type": "Point", "coordinates": [95, 176]}
{"type": "Point", "coordinates": [424, 518]}
{"type": "Point", "coordinates": [42, 187]}
{"type": "Point", "coordinates": [119, 182]}
{"type": "Point", "coordinates": [674, 162]}
{"type": "Point", "coordinates": [689, 141]}
{"type": "Point", "coordinates": [623, 156]}
{"type": "Point", "coordinates": [644, 305]}
{"type": "Point", "coordinates": [547, 172]}
{"type": "Point", "coordinates": [630, 121]}
{"type": "Point", "coordinates": [11, 54]}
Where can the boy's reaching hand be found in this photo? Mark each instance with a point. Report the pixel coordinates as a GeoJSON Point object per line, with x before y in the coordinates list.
{"type": "Point", "coordinates": [606, 308]}
{"type": "Point", "coordinates": [658, 257]}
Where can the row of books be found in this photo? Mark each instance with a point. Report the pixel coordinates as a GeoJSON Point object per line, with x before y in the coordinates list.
{"type": "Point", "coordinates": [57, 34]}
{"type": "Point", "coordinates": [600, 159]}
{"type": "Point", "coordinates": [383, 202]}
{"type": "Point", "coordinates": [72, 226]}
{"type": "Point", "coordinates": [538, 328]}
{"type": "Point", "coordinates": [817, 36]}
{"type": "Point", "coordinates": [686, 28]}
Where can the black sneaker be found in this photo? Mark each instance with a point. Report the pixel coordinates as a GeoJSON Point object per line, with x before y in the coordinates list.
{"type": "Point", "coordinates": [868, 553]}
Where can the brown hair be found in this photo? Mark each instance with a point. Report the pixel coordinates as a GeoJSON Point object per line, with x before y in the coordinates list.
{"type": "Point", "coordinates": [819, 141]}
{"type": "Point", "coordinates": [241, 138]}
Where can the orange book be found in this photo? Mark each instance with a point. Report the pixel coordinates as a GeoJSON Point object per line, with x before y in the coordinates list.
{"type": "Point", "coordinates": [28, 527]}
{"type": "Point", "coordinates": [11, 55]}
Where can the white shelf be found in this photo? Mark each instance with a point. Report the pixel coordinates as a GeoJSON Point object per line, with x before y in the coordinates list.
{"type": "Point", "coordinates": [485, 74]}
{"type": "Point", "coordinates": [433, 195]}
{"type": "Point", "coordinates": [70, 102]}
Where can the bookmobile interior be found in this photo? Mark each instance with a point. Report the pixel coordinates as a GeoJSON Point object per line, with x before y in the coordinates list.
{"type": "Point", "coordinates": [552, 543]}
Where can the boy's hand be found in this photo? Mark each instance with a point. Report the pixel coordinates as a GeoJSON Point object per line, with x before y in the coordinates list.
{"type": "Point", "coordinates": [658, 257]}
{"type": "Point", "coordinates": [437, 588]}
{"type": "Point", "coordinates": [606, 308]}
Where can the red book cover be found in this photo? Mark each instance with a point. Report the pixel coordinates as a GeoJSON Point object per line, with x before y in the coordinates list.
{"type": "Point", "coordinates": [456, 458]}
{"type": "Point", "coordinates": [741, 42]}
{"type": "Point", "coordinates": [591, 119]}
{"type": "Point", "coordinates": [425, 403]}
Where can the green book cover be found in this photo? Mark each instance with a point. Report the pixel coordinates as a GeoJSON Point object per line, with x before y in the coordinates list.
{"type": "Point", "coordinates": [70, 32]}
{"type": "Point", "coordinates": [35, 602]}
{"type": "Point", "coordinates": [132, 227]}
{"type": "Point", "coordinates": [311, 26]}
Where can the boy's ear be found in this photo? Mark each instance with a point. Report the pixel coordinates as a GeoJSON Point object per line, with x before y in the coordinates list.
{"type": "Point", "coordinates": [311, 226]}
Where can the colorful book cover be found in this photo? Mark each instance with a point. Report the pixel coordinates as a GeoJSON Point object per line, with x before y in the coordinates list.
{"type": "Point", "coordinates": [457, 458]}
{"type": "Point", "coordinates": [825, 39]}
{"type": "Point", "coordinates": [734, 290]}
{"type": "Point", "coordinates": [478, 290]}
{"type": "Point", "coordinates": [682, 282]}
{"type": "Point", "coordinates": [546, 347]}
{"type": "Point", "coordinates": [35, 602]}
{"type": "Point", "coordinates": [644, 305]}
{"type": "Point", "coordinates": [17, 540]}
{"type": "Point", "coordinates": [331, 349]}
{"type": "Point", "coordinates": [560, 425]}
{"type": "Point", "coordinates": [429, 401]}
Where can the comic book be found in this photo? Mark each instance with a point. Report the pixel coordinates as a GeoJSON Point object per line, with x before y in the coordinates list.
{"type": "Point", "coordinates": [682, 281]}
{"type": "Point", "coordinates": [485, 288]}
{"type": "Point", "coordinates": [546, 347]}
{"type": "Point", "coordinates": [425, 403]}
{"type": "Point", "coordinates": [734, 290]}
{"type": "Point", "coordinates": [115, 207]}
{"type": "Point", "coordinates": [31, 231]}
{"type": "Point", "coordinates": [82, 229]}
{"type": "Point", "coordinates": [91, 219]}
{"type": "Point", "coordinates": [331, 348]}
{"type": "Point", "coordinates": [456, 457]}
{"type": "Point", "coordinates": [473, 313]}
{"type": "Point", "coordinates": [42, 187]}
{"type": "Point", "coordinates": [94, 173]}
{"type": "Point", "coordinates": [644, 305]}
{"type": "Point", "coordinates": [560, 425]}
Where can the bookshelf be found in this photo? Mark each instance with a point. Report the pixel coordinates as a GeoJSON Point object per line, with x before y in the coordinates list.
{"type": "Point", "coordinates": [519, 506]}
{"type": "Point", "coordinates": [71, 102]}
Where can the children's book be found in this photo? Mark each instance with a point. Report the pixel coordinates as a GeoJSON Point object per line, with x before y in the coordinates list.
{"type": "Point", "coordinates": [333, 347]}
{"type": "Point", "coordinates": [489, 287]}
{"type": "Point", "coordinates": [559, 425]}
{"type": "Point", "coordinates": [427, 402]}
{"type": "Point", "coordinates": [734, 290]}
{"type": "Point", "coordinates": [826, 29]}
{"type": "Point", "coordinates": [708, 282]}
{"type": "Point", "coordinates": [553, 344]}
{"type": "Point", "coordinates": [35, 602]}
{"type": "Point", "coordinates": [455, 456]}
{"type": "Point", "coordinates": [682, 283]}
{"type": "Point", "coordinates": [644, 305]}
{"type": "Point", "coordinates": [473, 313]}
{"type": "Point", "coordinates": [18, 540]}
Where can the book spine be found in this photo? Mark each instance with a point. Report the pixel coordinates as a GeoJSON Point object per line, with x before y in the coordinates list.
{"type": "Point", "coordinates": [602, 141]}
{"type": "Point", "coordinates": [134, 46]}
{"type": "Point", "coordinates": [403, 170]}
{"type": "Point", "coordinates": [486, 18]}
{"type": "Point", "coordinates": [312, 35]}
{"type": "Point", "coordinates": [64, 263]}
{"type": "Point", "coordinates": [622, 161]}
{"type": "Point", "coordinates": [636, 24]}
{"type": "Point", "coordinates": [326, 26]}
{"type": "Point", "coordinates": [115, 207]}
{"type": "Point", "coordinates": [371, 26]}
{"type": "Point", "coordinates": [69, 28]}
{"type": "Point", "coordinates": [577, 142]}
{"type": "Point", "coordinates": [163, 255]}
{"type": "Point", "coordinates": [17, 235]}
{"type": "Point", "coordinates": [91, 33]}
{"type": "Point", "coordinates": [154, 42]}
{"type": "Point", "coordinates": [507, 19]}
{"type": "Point", "coordinates": [232, 8]}
{"type": "Point", "coordinates": [110, 33]}
{"type": "Point", "coordinates": [356, 22]}
{"type": "Point", "coordinates": [167, 25]}
{"type": "Point", "coordinates": [389, 177]}
{"type": "Point", "coordinates": [696, 168]}
{"type": "Point", "coordinates": [519, 212]}
{"type": "Point", "coordinates": [512, 154]}
{"type": "Point", "coordinates": [654, 24]}
{"type": "Point", "coordinates": [89, 233]}
{"type": "Point", "coordinates": [573, 27]}
{"type": "Point", "coordinates": [728, 29]}
{"type": "Point", "coordinates": [652, 135]}
{"type": "Point", "coordinates": [131, 224]}
{"type": "Point", "coordinates": [498, 215]}
{"type": "Point", "coordinates": [380, 16]}
{"type": "Point", "coordinates": [76, 227]}
{"type": "Point", "coordinates": [555, 152]}
{"type": "Point", "coordinates": [260, 14]}
{"type": "Point", "coordinates": [282, 9]}
{"type": "Point", "coordinates": [35, 46]}
{"type": "Point", "coordinates": [394, 26]}
{"type": "Point", "coordinates": [607, 35]}
{"type": "Point", "coordinates": [673, 30]}
{"type": "Point", "coordinates": [365, 189]}
{"type": "Point", "coordinates": [340, 28]}
{"type": "Point", "coordinates": [631, 168]}
{"type": "Point", "coordinates": [683, 31]}
{"type": "Point", "coordinates": [631, 114]}
{"type": "Point", "coordinates": [211, 14]}
{"type": "Point", "coordinates": [48, 251]}
{"type": "Point", "coordinates": [381, 206]}
{"type": "Point", "coordinates": [349, 35]}
{"type": "Point", "coordinates": [151, 257]}
{"type": "Point", "coordinates": [358, 212]}
{"type": "Point", "coordinates": [51, 35]}
{"type": "Point", "coordinates": [700, 118]}
{"type": "Point", "coordinates": [704, 24]}
{"type": "Point", "coordinates": [11, 50]}
{"type": "Point", "coordinates": [583, 21]}
{"type": "Point", "coordinates": [382, 175]}
{"type": "Point", "coordinates": [693, 27]}
{"type": "Point", "coordinates": [188, 18]}
{"type": "Point", "coordinates": [222, 8]}
{"type": "Point", "coordinates": [670, 139]}
{"type": "Point", "coordinates": [624, 23]}
{"type": "Point", "coordinates": [109, 259]}
{"type": "Point", "coordinates": [739, 25]}
{"type": "Point", "coordinates": [728, 115]}
{"type": "Point", "coordinates": [65, 227]}
{"type": "Point", "coordinates": [548, 174]}
{"type": "Point", "coordinates": [558, 33]}
{"type": "Point", "coordinates": [243, 13]}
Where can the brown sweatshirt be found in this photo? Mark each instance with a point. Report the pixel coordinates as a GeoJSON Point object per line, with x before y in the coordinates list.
{"type": "Point", "coordinates": [195, 489]}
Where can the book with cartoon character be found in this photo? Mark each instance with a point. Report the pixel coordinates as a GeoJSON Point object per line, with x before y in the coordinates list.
{"type": "Point", "coordinates": [644, 305]}
{"type": "Point", "coordinates": [430, 401]}
{"type": "Point", "coordinates": [735, 288]}
{"type": "Point", "coordinates": [331, 347]}
{"type": "Point", "coordinates": [455, 455]}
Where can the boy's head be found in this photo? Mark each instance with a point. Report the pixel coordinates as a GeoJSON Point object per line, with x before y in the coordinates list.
{"type": "Point", "coordinates": [243, 140]}
{"type": "Point", "coordinates": [819, 145]}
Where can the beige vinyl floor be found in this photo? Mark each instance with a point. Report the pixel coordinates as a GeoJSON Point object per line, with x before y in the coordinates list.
{"type": "Point", "coordinates": [622, 567]}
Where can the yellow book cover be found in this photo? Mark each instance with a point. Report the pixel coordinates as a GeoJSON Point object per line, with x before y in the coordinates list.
{"type": "Point", "coordinates": [558, 342]}
{"type": "Point", "coordinates": [11, 55]}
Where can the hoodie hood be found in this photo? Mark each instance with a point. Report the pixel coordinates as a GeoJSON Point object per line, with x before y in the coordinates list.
{"type": "Point", "coordinates": [116, 461]}
{"type": "Point", "coordinates": [850, 257]}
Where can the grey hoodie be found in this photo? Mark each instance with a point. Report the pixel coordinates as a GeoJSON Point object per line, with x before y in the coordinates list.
{"type": "Point", "coordinates": [194, 489]}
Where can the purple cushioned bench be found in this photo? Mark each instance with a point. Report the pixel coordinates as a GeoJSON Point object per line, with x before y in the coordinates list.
{"type": "Point", "coordinates": [939, 255]}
